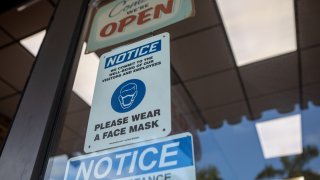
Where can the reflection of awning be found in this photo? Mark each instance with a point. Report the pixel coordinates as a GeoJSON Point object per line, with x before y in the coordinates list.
{"type": "Point", "coordinates": [221, 91]}
{"type": "Point", "coordinates": [267, 85]}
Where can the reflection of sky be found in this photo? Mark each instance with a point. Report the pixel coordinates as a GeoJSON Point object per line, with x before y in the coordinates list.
{"type": "Point", "coordinates": [235, 149]}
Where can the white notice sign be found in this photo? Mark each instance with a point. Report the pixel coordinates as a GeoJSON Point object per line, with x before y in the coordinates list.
{"type": "Point", "coordinates": [131, 101]}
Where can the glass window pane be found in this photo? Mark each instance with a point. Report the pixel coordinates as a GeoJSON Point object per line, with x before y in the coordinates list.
{"type": "Point", "coordinates": [244, 82]}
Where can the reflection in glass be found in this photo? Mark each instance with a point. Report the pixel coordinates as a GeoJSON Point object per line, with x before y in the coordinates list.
{"type": "Point", "coordinates": [86, 75]}
{"type": "Point", "coordinates": [294, 166]}
{"type": "Point", "coordinates": [33, 42]}
{"type": "Point", "coordinates": [228, 100]}
{"type": "Point", "coordinates": [259, 29]}
{"type": "Point", "coordinates": [209, 173]}
{"type": "Point", "coordinates": [280, 137]}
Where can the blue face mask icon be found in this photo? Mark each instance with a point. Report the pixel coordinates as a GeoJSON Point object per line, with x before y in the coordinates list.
{"type": "Point", "coordinates": [128, 93]}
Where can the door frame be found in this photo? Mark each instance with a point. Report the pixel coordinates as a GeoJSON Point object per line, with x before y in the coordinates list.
{"type": "Point", "coordinates": [26, 149]}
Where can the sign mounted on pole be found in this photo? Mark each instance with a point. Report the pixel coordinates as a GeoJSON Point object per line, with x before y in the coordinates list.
{"type": "Point", "coordinates": [131, 101]}
{"type": "Point", "coordinates": [162, 159]}
{"type": "Point", "coordinates": [122, 20]}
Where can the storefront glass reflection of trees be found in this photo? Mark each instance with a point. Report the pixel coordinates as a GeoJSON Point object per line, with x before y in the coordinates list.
{"type": "Point", "coordinates": [295, 166]}
{"type": "Point", "coordinates": [244, 160]}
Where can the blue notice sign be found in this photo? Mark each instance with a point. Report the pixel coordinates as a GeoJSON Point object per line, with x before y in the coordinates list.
{"type": "Point", "coordinates": [132, 54]}
{"type": "Point", "coordinates": [169, 158]}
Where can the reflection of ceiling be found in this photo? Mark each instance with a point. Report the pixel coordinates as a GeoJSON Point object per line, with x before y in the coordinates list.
{"type": "Point", "coordinates": [208, 87]}
{"type": "Point", "coordinates": [223, 91]}
{"type": "Point", "coordinates": [281, 136]}
{"type": "Point", "coordinates": [259, 29]}
{"type": "Point", "coordinates": [8, 4]}
{"type": "Point", "coordinates": [16, 62]}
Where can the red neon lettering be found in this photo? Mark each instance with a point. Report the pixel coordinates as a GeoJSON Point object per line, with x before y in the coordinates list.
{"type": "Point", "coordinates": [104, 31]}
{"type": "Point", "coordinates": [126, 21]}
{"type": "Point", "coordinates": [160, 8]}
{"type": "Point", "coordinates": [143, 16]}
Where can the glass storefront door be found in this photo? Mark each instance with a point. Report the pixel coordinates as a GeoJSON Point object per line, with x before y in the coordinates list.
{"type": "Point", "coordinates": [244, 83]}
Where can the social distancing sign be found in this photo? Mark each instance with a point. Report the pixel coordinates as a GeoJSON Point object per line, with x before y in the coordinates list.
{"type": "Point", "coordinates": [131, 101]}
{"type": "Point", "coordinates": [170, 158]}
